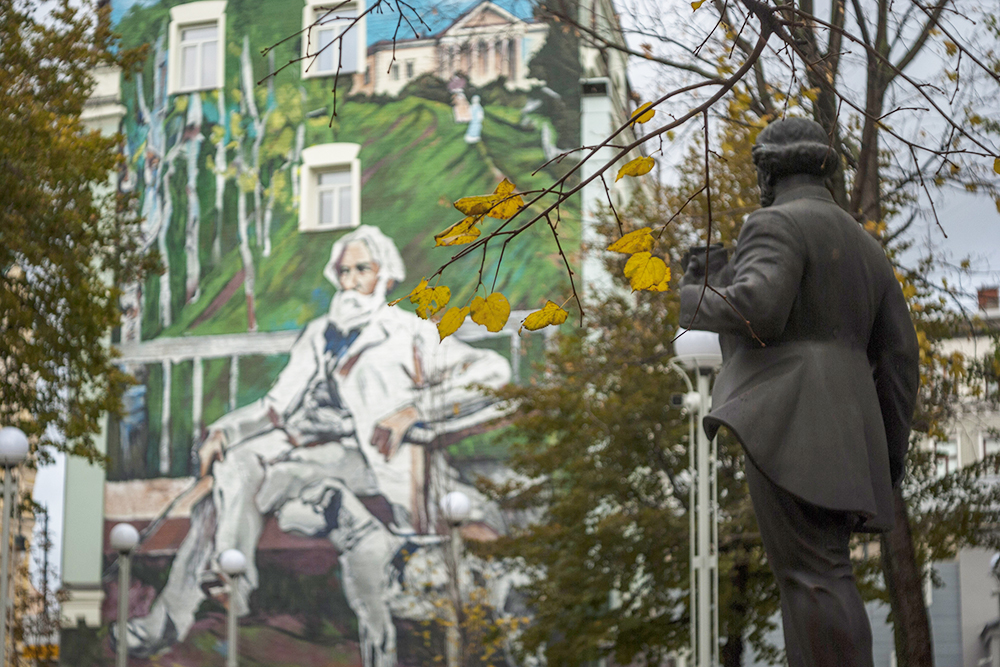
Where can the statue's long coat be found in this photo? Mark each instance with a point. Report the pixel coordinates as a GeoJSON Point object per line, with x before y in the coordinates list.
{"type": "Point", "coordinates": [823, 406]}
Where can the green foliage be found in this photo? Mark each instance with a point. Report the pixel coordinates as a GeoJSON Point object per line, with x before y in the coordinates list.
{"type": "Point", "coordinates": [65, 239]}
{"type": "Point", "coordinates": [605, 462]}
{"type": "Point", "coordinates": [429, 87]}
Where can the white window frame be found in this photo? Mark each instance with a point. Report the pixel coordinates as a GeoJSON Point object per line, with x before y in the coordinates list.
{"type": "Point", "coordinates": [315, 9]}
{"type": "Point", "coordinates": [943, 452]}
{"type": "Point", "coordinates": [324, 158]}
{"type": "Point", "coordinates": [986, 443]}
{"type": "Point", "coordinates": [193, 15]}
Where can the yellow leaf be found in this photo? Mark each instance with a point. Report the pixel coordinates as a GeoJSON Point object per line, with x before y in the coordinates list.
{"type": "Point", "coordinates": [696, 4]}
{"type": "Point", "coordinates": [996, 165]}
{"type": "Point", "coordinates": [451, 321]}
{"type": "Point", "coordinates": [645, 271]}
{"type": "Point", "coordinates": [636, 167]}
{"type": "Point", "coordinates": [641, 240]}
{"type": "Point", "coordinates": [504, 188]}
{"type": "Point", "coordinates": [491, 312]}
{"type": "Point", "coordinates": [502, 204]}
{"type": "Point", "coordinates": [811, 93]}
{"type": "Point", "coordinates": [643, 114]}
{"type": "Point", "coordinates": [478, 205]}
{"type": "Point", "coordinates": [460, 233]}
{"type": "Point", "coordinates": [664, 284]}
{"type": "Point", "coordinates": [950, 47]}
{"type": "Point", "coordinates": [550, 314]}
{"type": "Point", "coordinates": [429, 300]}
{"type": "Point", "coordinates": [412, 295]}
{"type": "Point", "coordinates": [507, 203]}
{"type": "Point", "coordinates": [507, 208]}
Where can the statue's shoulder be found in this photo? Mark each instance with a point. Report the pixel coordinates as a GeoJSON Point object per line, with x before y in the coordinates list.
{"type": "Point", "coordinates": [783, 214]}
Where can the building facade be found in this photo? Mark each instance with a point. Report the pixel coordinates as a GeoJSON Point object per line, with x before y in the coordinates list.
{"type": "Point", "coordinates": [281, 407]}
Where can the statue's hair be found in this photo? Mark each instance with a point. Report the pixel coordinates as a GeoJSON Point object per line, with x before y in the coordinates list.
{"type": "Point", "coordinates": [794, 146]}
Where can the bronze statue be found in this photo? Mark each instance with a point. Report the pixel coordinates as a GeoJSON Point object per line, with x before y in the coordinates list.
{"type": "Point", "coordinates": [819, 387]}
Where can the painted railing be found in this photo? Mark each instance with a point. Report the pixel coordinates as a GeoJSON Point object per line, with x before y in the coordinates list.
{"type": "Point", "coordinates": [198, 349]}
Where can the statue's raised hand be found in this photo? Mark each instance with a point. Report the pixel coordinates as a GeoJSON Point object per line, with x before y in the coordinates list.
{"type": "Point", "coordinates": [694, 264]}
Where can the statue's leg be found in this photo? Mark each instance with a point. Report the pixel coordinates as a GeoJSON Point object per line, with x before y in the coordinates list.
{"type": "Point", "coordinates": [823, 615]}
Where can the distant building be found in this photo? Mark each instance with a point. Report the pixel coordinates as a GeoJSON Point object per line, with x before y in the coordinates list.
{"type": "Point", "coordinates": [247, 185]}
{"type": "Point", "coordinates": [486, 43]}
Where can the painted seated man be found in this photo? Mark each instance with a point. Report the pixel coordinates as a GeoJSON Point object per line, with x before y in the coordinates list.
{"type": "Point", "coordinates": [336, 425]}
{"type": "Point", "coordinates": [818, 382]}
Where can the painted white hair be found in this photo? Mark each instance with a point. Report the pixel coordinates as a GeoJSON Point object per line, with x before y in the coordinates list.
{"type": "Point", "coordinates": [383, 250]}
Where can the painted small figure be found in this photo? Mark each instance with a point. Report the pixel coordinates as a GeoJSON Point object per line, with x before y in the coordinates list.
{"type": "Point", "coordinates": [474, 134]}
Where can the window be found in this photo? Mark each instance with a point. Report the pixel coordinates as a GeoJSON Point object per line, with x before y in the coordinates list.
{"type": "Point", "coordinates": [199, 56]}
{"type": "Point", "coordinates": [334, 196]}
{"type": "Point", "coordinates": [395, 71]}
{"type": "Point", "coordinates": [483, 57]}
{"type": "Point", "coordinates": [334, 37]}
{"type": "Point", "coordinates": [197, 34]}
{"type": "Point", "coordinates": [409, 69]}
{"type": "Point", "coordinates": [498, 56]}
{"type": "Point", "coordinates": [991, 445]}
{"type": "Point", "coordinates": [465, 58]}
{"type": "Point", "coordinates": [331, 187]}
{"type": "Point", "coordinates": [945, 457]}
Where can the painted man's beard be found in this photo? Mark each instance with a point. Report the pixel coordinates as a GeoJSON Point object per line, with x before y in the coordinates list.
{"type": "Point", "coordinates": [351, 310]}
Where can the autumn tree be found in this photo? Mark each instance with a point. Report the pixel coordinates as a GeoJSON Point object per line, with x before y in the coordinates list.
{"type": "Point", "coordinates": [66, 241]}
{"type": "Point", "coordinates": [609, 552]}
{"type": "Point", "coordinates": [602, 461]}
{"type": "Point", "coordinates": [904, 92]}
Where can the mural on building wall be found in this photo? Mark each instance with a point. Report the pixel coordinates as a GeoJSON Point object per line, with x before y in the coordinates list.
{"type": "Point", "coordinates": [282, 408]}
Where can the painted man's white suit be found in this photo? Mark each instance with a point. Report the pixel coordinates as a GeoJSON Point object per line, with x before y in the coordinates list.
{"type": "Point", "coordinates": [305, 453]}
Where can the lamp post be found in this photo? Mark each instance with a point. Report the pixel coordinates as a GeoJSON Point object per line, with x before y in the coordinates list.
{"type": "Point", "coordinates": [699, 351]}
{"type": "Point", "coordinates": [233, 564]}
{"type": "Point", "coordinates": [13, 451]}
{"type": "Point", "coordinates": [456, 509]}
{"type": "Point", "coordinates": [124, 538]}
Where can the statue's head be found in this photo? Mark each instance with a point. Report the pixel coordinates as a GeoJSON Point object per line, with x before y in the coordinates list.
{"type": "Point", "coordinates": [788, 147]}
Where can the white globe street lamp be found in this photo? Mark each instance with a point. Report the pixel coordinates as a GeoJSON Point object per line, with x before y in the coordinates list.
{"type": "Point", "coordinates": [124, 538]}
{"type": "Point", "coordinates": [13, 451]}
{"type": "Point", "coordinates": [233, 564]}
{"type": "Point", "coordinates": [699, 351]}
{"type": "Point", "coordinates": [456, 508]}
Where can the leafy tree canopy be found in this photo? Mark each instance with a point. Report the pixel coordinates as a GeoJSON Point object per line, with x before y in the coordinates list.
{"type": "Point", "coordinates": [65, 240]}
